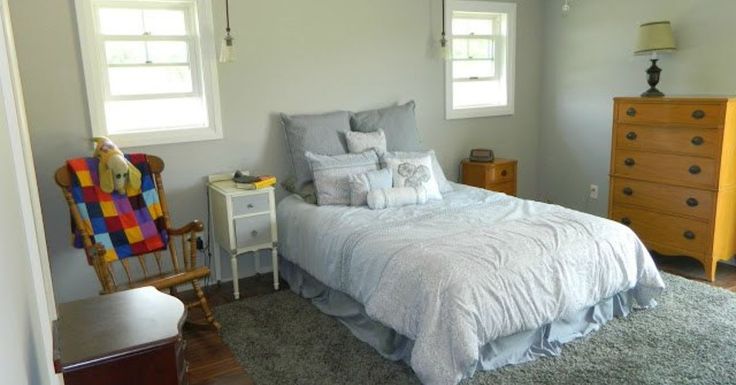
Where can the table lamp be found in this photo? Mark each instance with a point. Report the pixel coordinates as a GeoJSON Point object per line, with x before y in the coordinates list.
{"type": "Point", "coordinates": [654, 37]}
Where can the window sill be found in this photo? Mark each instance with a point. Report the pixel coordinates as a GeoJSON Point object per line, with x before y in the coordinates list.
{"type": "Point", "coordinates": [479, 112]}
{"type": "Point", "coordinates": [139, 139]}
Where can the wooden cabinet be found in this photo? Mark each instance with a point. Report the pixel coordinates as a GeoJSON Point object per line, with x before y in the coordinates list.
{"type": "Point", "coordinates": [673, 175]}
{"type": "Point", "coordinates": [243, 221]}
{"type": "Point", "coordinates": [499, 175]}
{"type": "Point", "coordinates": [128, 337]}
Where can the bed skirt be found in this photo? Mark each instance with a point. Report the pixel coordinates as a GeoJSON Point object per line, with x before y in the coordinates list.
{"type": "Point", "coordinates": [518, 348]}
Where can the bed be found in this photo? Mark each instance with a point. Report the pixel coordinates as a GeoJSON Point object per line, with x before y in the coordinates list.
{"type": "Point", "coordinates": [475, 281]}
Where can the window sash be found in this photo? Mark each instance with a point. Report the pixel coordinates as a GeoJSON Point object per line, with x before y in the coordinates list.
{"type": "Point", "coordinates": [189, 38]}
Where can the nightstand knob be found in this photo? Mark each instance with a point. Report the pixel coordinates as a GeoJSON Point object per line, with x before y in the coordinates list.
{"type": "Point", "coordinates": [626, 221]}
{"type": "Point", "coordinates": [250, 205]}
{"type": "Point", "coordinates": [253, 233]}
{"type": "Point", "coordinates": [504, 173]}
{"type": "Point", "coordinates": [628, 191]}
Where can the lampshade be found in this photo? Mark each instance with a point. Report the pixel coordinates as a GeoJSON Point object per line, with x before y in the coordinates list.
{"type": "Point", "coordinates": [655, 36]}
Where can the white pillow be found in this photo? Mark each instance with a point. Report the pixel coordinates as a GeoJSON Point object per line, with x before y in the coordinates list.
{"type": "Point", "coordinates": [363, 141]}
{"type": "Point", "coordinates": [442, 182]}
{"type": "Point", "coordinates": [361, 184]}
{"type": "Point", "coordinates": [414, 172]}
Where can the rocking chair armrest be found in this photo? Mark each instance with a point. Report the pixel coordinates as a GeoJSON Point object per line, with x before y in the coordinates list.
{"type": "Point", "coordinates": [194, 226]}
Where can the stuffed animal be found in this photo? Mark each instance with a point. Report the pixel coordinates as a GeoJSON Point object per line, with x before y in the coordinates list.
{"type": "Point", "coordinates": [116, 172]}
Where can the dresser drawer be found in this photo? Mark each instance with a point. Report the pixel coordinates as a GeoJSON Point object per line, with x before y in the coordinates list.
{"type": "Point", "coordinates": [508, 188]}
{"type": "Point", "coordinates": [684, 140]}
{"type": "Point", "coordinates": [252, 231]}
{"type": "Point", "coordinates": [250, 204]}
{"type": "Point", "coordinates": [679, 233]}
{"type": "Point", "coordinates": [676, 200]}
{"type": "Point", "coordinates": [683, 170]}
{"type": "Point", "coordinates": [692, 114]}
{"type": "Point", "coordinates": [501, 173]}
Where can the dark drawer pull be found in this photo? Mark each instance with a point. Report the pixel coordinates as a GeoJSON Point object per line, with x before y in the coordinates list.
{"type": "Point", "coordinates": [631, 135]}
{"type": "Point", "coordinates": [692, 202]}
{"type": "Point", "coordinates": [626, 221]}
{"type": "Point", "coordinates": [629, 162]}
{"type": "Point", "coordinates": [628, 191]}
{"type": "Point", "coordinates": [504, 173]}
{"type": "Point", "coordinates": [698, 114]}
{"type": "Point", "coordinates": [695, 170]}
{"type": "Point", "coordinates": [698, 141]}
{"type": "Point", "coordinates": [250, 205]}
{"type": "Point", "coordinates": [631, 111]}
{"type": "Point", "coordinates": [253, 233]}
{"type": "Point", "coordinates": [689, 235]}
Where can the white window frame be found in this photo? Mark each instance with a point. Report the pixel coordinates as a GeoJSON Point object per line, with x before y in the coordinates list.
{"type": "Point", "coordinates": [202, 62]}
{"type": "Point", "coordinates": [504, 48]}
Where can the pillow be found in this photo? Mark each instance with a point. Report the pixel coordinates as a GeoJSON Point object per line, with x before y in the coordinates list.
{"type": "Point", "coordinates": [398, 122]}
{"type": "Point", "coordinates": [413, 172]}
{"type": "Point", "coordinates": [442, 182]}
{"type": "Point", "coordinates": [307, 192]}
{"type": "Point", "coordinates": [322, 134]}
{"type": "Point", "coordinates": [331, 174]}
{"type": "Point", "coordinates": [396, 197]}
{"type": "Point", "coordinates": [364, 141]}
{"type": "Point", "coordinates": [361, 184]}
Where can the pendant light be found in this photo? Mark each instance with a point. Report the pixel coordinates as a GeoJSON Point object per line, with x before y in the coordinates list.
{"type": "Point", "coordinates": [444, 46]}
{"type": "Point", "coordinates": [227, 51]}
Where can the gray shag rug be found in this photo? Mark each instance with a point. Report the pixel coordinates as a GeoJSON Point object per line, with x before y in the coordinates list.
{"type": "Point", "coordinates": [690, 338]}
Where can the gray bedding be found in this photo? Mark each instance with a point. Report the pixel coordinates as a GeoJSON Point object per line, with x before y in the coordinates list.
{"type": "Point", "coordinates": [457, 274]}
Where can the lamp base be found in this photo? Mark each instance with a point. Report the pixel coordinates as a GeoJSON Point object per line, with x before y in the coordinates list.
{"type": "Point", "coordinates": [653, 79]}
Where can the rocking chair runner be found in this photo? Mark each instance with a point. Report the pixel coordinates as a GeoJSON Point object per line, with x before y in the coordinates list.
{"type": "Point", "coordinates": [163, 280]}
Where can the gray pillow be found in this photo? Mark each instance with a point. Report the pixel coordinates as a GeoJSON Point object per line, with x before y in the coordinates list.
{"type": "Point", "coordinates": [332, 174]}
{"type": "Point", "coordinates": [322, 134]}
{"type": "Point", "coordinates": [361, 184]}
{"type": "Point", "coordinates": [398, 122]}
{"type": "Point", "coordinates": [364, 141]}
{"type": "Point", "coordinates": [439, 175]}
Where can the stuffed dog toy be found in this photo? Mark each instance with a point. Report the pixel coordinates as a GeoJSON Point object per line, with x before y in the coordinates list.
{"type": "Point", "coordinates": [116, 172]}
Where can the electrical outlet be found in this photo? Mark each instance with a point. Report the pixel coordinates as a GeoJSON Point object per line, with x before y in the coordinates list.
{"type": "Point", "coordinates": [594, 191]}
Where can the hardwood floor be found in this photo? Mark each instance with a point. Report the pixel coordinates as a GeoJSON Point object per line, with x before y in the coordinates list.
{"type": "Point", "coordinates": [212, 363]}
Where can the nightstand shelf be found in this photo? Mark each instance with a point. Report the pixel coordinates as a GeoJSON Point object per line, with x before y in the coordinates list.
{"type": "Point", "coordinates": [499, 175]}
{"type": "Point", "coordinates": [243, 221]}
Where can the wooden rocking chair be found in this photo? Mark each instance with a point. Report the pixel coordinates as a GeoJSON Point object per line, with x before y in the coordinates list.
{"type": "Point", "coordinates": [183, 270]}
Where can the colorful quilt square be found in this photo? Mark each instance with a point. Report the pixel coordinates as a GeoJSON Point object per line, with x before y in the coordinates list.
{"type": "Point", "coordinates": [148, 229]}
{"type": "Point", "coordinates": [155, 243]}
{"type": "Point", "coordinates": [118, 237]}
{"type": "Point", "coordinates": [89, 194]}
{"type": "Point", "coordinates": [94, 210]}
{"type": "Point", "coordinates": [108, 209]}
{"type": "Point", "coordinates": [137, 202]}
{"type": "Point", "coordinates": [124, 251]}
{"type": "Point", "coordinates": [139, 248]}
{"type": "Point", "coordinates": [128, 220]}
{"type": "Point", "coordinates": [85, 179]}
{"type": "Point", "coordinates": [113, 224]}
{"type": "Point", "coordinates": [134, 234]}
{"type": "Point", "coordinates": [98, 225]}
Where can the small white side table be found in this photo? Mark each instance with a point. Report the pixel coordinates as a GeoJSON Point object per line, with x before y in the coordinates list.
{"type": "Point", "coordinates": [243, 221]}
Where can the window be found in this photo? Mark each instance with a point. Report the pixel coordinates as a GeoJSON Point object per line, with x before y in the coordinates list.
{"type": "Point", "coordinates": [480, 71]}
{"type": "Point", "coordinates": [150, 70]}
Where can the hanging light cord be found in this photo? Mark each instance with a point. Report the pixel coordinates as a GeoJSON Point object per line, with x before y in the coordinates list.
{"type": "Point", "coordinates": [228, 38]}
{"type": "Point", "coordinates": [443, 40]}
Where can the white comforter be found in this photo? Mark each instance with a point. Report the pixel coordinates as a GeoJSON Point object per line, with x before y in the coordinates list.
{"type": "Point", "coordinates": [456, 274]}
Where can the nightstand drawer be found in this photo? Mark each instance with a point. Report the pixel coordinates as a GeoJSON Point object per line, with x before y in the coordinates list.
{"type": "Point", "coordinates": [252, 231]}
{"type": "Point", "coordinates": [250, 204]}
{"type": "Point", "coordinates": [501, 173]}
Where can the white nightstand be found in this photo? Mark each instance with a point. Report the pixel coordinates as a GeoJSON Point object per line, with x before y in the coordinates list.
{"type": "Point", "coordinates": [243, 221]}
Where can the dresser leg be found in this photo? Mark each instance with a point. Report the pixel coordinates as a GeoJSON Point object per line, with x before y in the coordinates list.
{"type": "Point", "coordinates": [275, 264]}
{"type": "Point", "coordinates": [710, 270]}
{"type": "Point", "coordinates": [236, 284]}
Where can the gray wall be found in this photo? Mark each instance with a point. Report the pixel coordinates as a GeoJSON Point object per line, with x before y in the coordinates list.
{"type": "Point", "coordinates": [588, 60]}
{"type": "Point", "coordinates": [295, 57]}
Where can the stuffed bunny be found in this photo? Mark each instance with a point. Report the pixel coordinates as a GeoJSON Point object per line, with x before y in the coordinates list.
{"type": "Point", "coordinates": [116, 172]}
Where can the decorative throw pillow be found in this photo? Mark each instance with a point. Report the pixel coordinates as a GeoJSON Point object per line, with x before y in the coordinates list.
{"type": "Point", "coordinates": [414, 172]}
{"type": "Point", "coordinates": [361, 184]}
{"type": "Point", "coordinates": [442, 182]}
{"type": "Point", "coordinates": [332, 174]}
{"type": "Point", "coordinates": [321, 134]}
{"type": "Point", "coordinates": [398, 122]}
{"type": "Point", "coordinates": [363, 141]}
{"type": "Point", "coordinates": [396, 197]}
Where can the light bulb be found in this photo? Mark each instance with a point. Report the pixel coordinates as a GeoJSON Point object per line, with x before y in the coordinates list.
{"type": "Point", "coordinates": [444, 49]}
{"type": "Point", "coordinates": [227, 50]}
{"type": "Point", "coordinates": [566, 7]}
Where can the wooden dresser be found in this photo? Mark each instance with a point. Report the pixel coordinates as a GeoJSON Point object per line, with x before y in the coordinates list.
{"type": "Point", "coordinates": [673, 175]}
{"type": "Point", "coordinates": [124, 338]}
{"type": "Point", "coordinates": [499, 175]}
